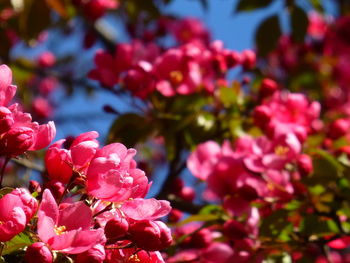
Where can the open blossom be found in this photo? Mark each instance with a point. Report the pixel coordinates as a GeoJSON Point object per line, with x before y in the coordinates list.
{"type": "Point", "coordinates": [61, 163]}
{"type": "Point", "coordinates": [112, 175]}
{"type": "Point", "coordinates": [68, 229]}
{"type": "Point", "coordinates": [17, 208]}
{"type": "Point", "coordinates": [18, 133]}
{"type": "Point", "coordinates": [287, 113]}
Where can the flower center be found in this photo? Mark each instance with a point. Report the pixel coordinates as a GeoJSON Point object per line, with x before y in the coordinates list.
{"type": "Point", "coordinates": [176, 76]}
{"type": "Point", "coordinates": [59, 230]}
{"type": "Point", "coordinates": [134, 258]}
{"type": "Point", "coordinates": [281, 150]}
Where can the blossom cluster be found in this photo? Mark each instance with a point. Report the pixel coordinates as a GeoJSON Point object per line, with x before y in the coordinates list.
{"type": "Point", "coordinates": [93, 205]}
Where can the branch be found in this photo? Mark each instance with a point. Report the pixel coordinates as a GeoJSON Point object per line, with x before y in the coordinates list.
{"type": "Point", "coordinates": [28, 164]}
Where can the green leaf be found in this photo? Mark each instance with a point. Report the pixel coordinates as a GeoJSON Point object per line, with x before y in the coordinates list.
{"type": "Point", "coordinates": [299, 24]}
{"type": "Point", "coordinates": [130, 129]}
{"type": "Point", "coordinates": [5, 190]}
{"type": "Point", "coordinates": [314, 225]}
{"type": "Point", "coordinates": [267, 35]}
{"type": "Point", "coordinates": [273, 225]}
{"type": "Point", "coordinates": [198, 218]}
{"type": "Point", "coordinates": [250, 5]}
{"type": "Point", "coordinates": [326, 166]}
{"type": "Point", "coordinates": [19, 241]}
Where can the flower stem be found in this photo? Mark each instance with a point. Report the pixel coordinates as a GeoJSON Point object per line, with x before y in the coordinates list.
{"type": "Point", "coordinates": [3, 170]}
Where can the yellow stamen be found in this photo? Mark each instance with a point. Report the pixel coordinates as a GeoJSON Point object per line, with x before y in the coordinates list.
{"type": "Point", "coordinates": [59, 230]}
{"type": "Point", "coordinates": [281, 150]}
{"type": "Point", "coordinates": [134, 258]}
{"type": "Point", "coordinates": [176, 76]}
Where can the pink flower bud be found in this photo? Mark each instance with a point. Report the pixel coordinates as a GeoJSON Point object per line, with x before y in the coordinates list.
{"type": "Point", "coordinates": [46, 59]}
{"type": "Point", "coordinates": [95, 254]}
{"type": "Point", "coordinates": [34, 186]}
{"type": "Point", "coordinates": [200, 239]}
{"type": "Point", "coordinates": [30, 204]}
{"type": "Point", "coordinates": [339, 128]}
{"type": "Point", "coordinates": [38, 253]}
{"type": "Point", "coordinates": [150, 235]}
{"type": "Point", "coordinates": [116, 228]}
{"type": "Point", "coordinates": [262, 116]}
{"type": "Point", "coordinates": [304, 163]}
{"type": "Point", "coordinates": [234, 230]}
{"type": "Point", "coordinates": [187, 193]}
{"type": "Point", "coordinates": [175, 215]}
{"type": "Point", "coordinates": [268, 87]}
{"type": "Point", "coordinates": [56, 188]}
{"type": "Point", "coordinates": [6, 119]}
{"type": "Point", "coordinates": [16, 141]}
{"type": "Point", "coordinates": [248, 59]}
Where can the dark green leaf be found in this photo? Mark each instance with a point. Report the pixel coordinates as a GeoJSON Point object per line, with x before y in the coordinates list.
{"type": "Point", "coordinates": [267, 35]}
{"type": "Point", "coordinates": [299, 24]}
{"type": "Point", "coordinates": [19, 241]}
{"type": "Point", "coordinates": [250, 5]}
{"type": "Point", "coordinates": [130, 129]}
{"type": "Point", "coordinates": [314, 225]}
{"type": "Point", "coordinates": [5, 190]}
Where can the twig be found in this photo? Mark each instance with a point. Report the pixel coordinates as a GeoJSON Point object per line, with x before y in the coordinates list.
{"type": "Point", "coordinates": [3, 170]}
{"type": "Point", "coordinates": [28, 164]}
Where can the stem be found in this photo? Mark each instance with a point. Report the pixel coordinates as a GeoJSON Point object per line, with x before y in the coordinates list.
{"type": "Point", "coordinates": [3, 170]}
{"type": "Point", "coordinates": [2, 245]}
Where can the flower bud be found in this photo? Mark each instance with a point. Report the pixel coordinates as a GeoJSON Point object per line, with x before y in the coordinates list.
{"type": "Point", "coordinates": [338, 128]}
{"type": "Point", "coordinates": [150, 235]}
{"type": "Point", "coordinates": [95, 254]}
{"type": "Point", "coordinates": [38, 253]}
{"type": "Point", "coordinates": [262, 116]}
{"type": "Point", "coordinates": [116, 227]}
{"type": "Point", "coordinates": [248, 59]}
{"type": "Point", "coordinates": [234, 230]}
{"type": "Point", "coordinates": [34, 186]}
{"type": "Point", "coordinates": [6, 119]}
{"type": "Point", "coordinates": [187, 193]}
{"type": "Point", "coordinates": [304, 164]}
{"type": "Point", "coordinates": [56, 188]}
{"type": "Point", "coordinates": [267, 88]}
{"type": "Point", "coordinates": [16, 141]}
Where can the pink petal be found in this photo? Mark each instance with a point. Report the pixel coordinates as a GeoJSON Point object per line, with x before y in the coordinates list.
{"type": "Point", "coordinates": [139, 209]}
{"type": "Point", "coordinates": [74, 216]}
{"type": "Point", "coordinates": [83, 152]}
{"type": "Point", "coordinates": [44, 136]}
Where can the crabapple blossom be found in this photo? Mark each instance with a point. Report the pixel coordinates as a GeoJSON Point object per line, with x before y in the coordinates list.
{"type": "Point", "coordinates": [38, 253]}
{"type": "Point", "coordinates": [68, 229]}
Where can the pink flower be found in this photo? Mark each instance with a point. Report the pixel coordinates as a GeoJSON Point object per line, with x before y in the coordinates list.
{"type": "Point", "coordinates": [67, 229]}
{"type": "Point", "coordinates": [19, 134]}
{"type": "Point", "coordinates": [112, 175]}
{"type": "Point", "coordinates": [13, 216]}
{"type": "Point", "coordinates": [29, 203]}
{"type": "Point", "coordinates": [202, 160]}
{"type": "Point", "coordinates": [190, 29]}
{"type": "Point", "coordinates": [289, 113]}
{"type": "Point", "coordinates": [317, 25]}
{"type": "Point", "coordinates": [60, 163]}
{"type": "Point", "coordinates": [177, 72]}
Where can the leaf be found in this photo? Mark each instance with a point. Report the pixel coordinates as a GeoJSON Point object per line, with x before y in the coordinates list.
{"type": "Point", "coordinates": [315, 225]}
{"type": "Point", "coordinates": [267, 35]}
{"type": "Point", "coordinates": [299, 24]}
{"type": "Point", "coordinates": [5, 190]}
{"type": "Point", "coordinates": [19, 241]}
{"type": "Point", "coordinates": [130, 129]}
{"type": "Point", "coordinates": [273, 225]}
{"type": "Point", "coordinates": [250, 5]}
{"type": "Point", "coordinates": [198, 218]}
{"type": "Point", "coordinates": [326, 167]}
